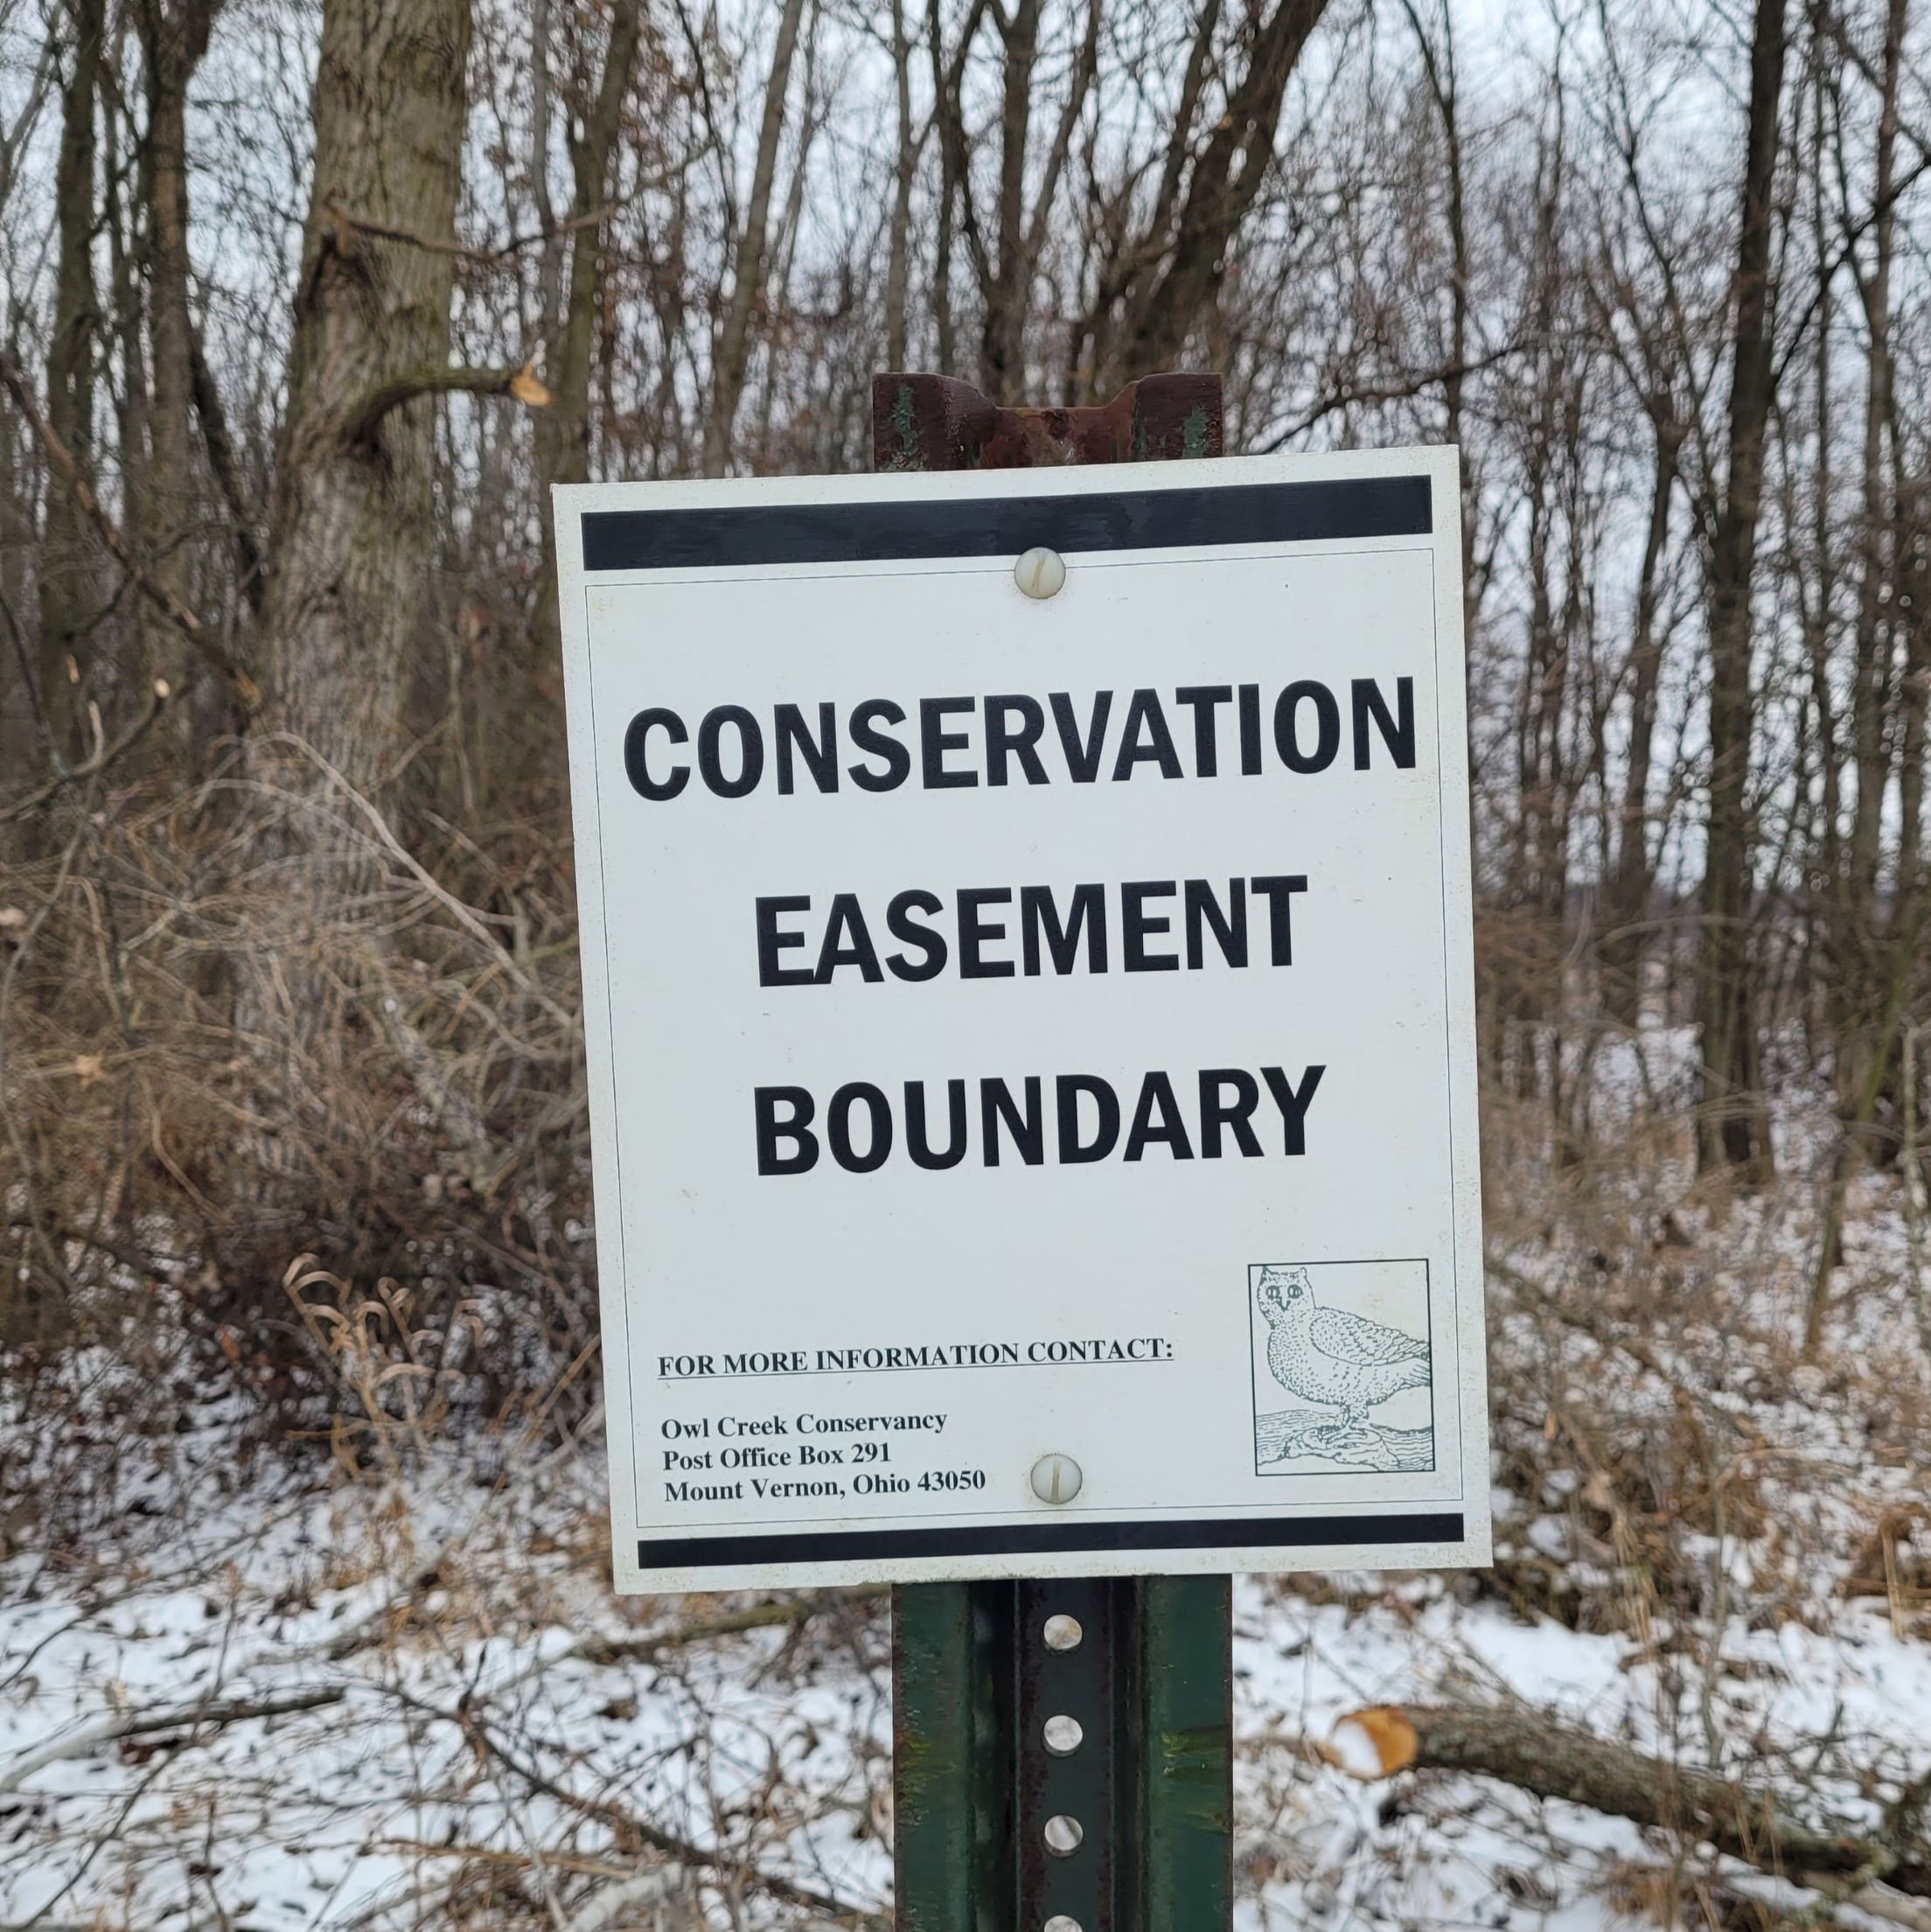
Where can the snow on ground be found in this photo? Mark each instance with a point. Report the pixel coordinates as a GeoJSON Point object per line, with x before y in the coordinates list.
{"type": "Point", "coordinates": [437, 1737]}
{"type": "Point", "coordinates": [431, 1714]}
{"type": "Point", "coordinates": [270, 1697]}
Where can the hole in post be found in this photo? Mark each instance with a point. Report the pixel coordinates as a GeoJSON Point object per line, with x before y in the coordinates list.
{"type": "Point", "coordinates": [1062, 1736]}
{"type": "Point", "coordinates": [1062, 1633]}
{"type": "Point", "coordinates": [1063, 1835]}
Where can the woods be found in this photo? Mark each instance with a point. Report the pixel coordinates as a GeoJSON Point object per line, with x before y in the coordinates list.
{"type": "Point", "coordinates": [1684, 367]}
{"type": "Point", "coordinates": [1684, 372]}
{"type": "Point", "coordinates": [303, 312]}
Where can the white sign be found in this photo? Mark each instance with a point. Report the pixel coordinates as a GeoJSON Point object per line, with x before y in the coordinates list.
{"type": "Point", "coordinates": [1031, 1037]}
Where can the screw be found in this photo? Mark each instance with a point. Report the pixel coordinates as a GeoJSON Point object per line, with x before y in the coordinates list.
{"type": "Point", "coordinates": [1040, 573]}
{"type": "Point", "coordinates": [1061, 1632]}
{"type": "Point", "coordinates": [1064, 1834]}
{"type": "Point", "coordinates": [1057, 1479]}
{"type": "Point", "coordinates": [1062, 1735]}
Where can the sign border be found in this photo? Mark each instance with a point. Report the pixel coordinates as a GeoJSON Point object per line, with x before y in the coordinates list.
{"type": "Point", "coordinates": [613, 534]}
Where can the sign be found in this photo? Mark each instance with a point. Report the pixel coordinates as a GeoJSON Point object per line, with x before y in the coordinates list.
{"type": "Point", "coordinates": [1031, 1020]}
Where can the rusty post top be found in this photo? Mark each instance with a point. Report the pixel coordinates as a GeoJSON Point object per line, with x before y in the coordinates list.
{"type": "Point", "coordinates": [938, 422]}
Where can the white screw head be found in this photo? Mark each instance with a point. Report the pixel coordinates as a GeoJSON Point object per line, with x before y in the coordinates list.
{"type": "Point", "coordinates": [1064, 1834]}
{"type": "Point", "coordinates": [1040, 573]}
{"type": "Point", "coordinates": [1061, 1632]}
{"type": "Point", "coordinates": [1057, 1479]}
{"type": "Point", "coordinates": [1062, 1735]}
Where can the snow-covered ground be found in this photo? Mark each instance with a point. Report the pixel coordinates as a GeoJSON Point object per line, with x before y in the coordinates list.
{"type": "Point", "coordinates": [392, 1708]}
{"type": "Point", "coordinates": [281, 1696]}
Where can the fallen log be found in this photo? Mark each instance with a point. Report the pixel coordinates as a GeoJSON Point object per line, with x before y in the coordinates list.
{"type": "Point", "coordinates": [1549, 1760]}
{"type": "Point", "coordinates": [208, 1715]}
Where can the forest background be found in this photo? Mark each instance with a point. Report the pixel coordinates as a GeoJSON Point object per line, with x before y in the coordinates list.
{"type": "Point", "coordinates": [303, 309]}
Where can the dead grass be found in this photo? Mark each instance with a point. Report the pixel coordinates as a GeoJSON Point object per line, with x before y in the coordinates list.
{"type": "Point", "coordinates": [217, 1066]}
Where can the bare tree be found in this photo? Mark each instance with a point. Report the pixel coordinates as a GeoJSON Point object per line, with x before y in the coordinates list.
{"type": "Point", "coordinates": [351, 537]}
{"type": "Point", "coordinates": [573, 282]}
{"type": "Point", "coordinates": [1735, 1127]}
{"type": "Point", "coordinates": [1165, 275]}
{"type": "Point", "coordinates": [731, 353]}
{"type": "Point", "coordinates": [174, 37]}
{"type": "Point", "coordinates": [67, 612]}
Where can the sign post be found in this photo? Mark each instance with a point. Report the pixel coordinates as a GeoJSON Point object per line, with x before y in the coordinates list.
{"type": "Point", "coordinates": [1149, 1680]}
{"type": "Point", "coordinates": [1028, 995]}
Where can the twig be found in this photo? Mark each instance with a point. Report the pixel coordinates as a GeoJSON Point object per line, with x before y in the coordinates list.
{"type": "Point", "coordinates": [464, 914]}
{"type": "Point", "coordinates": [131, 1724]}
{"type": "Point", "coordinates": [244, 689]}
{"type": "Point", "coordinates": [1879, 1901]}
{"type": "Point", "coordinates": [764, 1616]}
{"type": "Point", "coordinates": [486, 257]}
{"type": "Point", "coordinates": [625, 1823]}
{"type": "Point", "coordinates": [102, 759]}
{"type": "Point", "coordinates": [617, 1901]}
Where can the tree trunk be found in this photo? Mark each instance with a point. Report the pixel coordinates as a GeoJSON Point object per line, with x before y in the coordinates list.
{"type": "Point", "coordinates": [1871, 687]}
{"type": "Point", "coordinates": [1626, 943]}
{"type": "Point", "coordinates": [174, 36]}
{"type": "Point", "coordinates": [1226, 178]}
{"type": "Point", "coordinates": [1856, 917]}
{"type": "Point", "coordinates": [65, 587]}
{"type": "Point", "coordinates": [1733, 1123]}
{"type": "Point", "coordinates": [352, 538]}
{"type": "Point", "coordinates": [904, 173]}
{"type": "Point", "coordinates": [563, 432]}
{"type": "Point", "coordinates": [1550, 1760]}
{"type": "Point", "coordinates": [1002, 338]}
{"type": "Point", "coordinates": [730, 355]}
{"type": "Point", "coordinates": [945, 103]}
{"type": "Point", "coordinates": [1914, 546]}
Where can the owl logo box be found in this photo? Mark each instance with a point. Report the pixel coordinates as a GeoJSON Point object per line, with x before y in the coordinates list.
{"type": "Point", "coordinates": [1343, 1369]}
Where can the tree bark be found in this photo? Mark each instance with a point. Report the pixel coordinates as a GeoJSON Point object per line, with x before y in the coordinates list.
{"type": "Point", "coordinates": [1734, 1129]}
{"type": "Point", "coordinates": [563, 432]}
{"type": "Point", "coordinates": [1225, 180]}
{"type": "Point", "coordinates": [65, 589]}
{"type": "Point", "coordinates": [1552, 1761]}
{"type": "Point", "coordinates": [904, 173]}
{"type": "Point", "coordinates": [730, 354]}
{"type": "Point", "coordinates": [352, 539]}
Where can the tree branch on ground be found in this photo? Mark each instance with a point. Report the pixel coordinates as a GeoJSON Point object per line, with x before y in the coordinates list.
{"type": "Point", "coordinates": [1550, 1760]}
{"type": "Point", "coordinates": [183, 1717]}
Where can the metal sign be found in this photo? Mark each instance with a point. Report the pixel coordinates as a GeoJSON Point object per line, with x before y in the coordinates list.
{"type": "Point", "coordinates": [1026, 940]}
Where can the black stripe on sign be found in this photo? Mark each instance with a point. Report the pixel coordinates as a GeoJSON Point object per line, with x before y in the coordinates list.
{"type": "Point", "coordinates": [995, 527]}
{"type": "Point", "coordinates": [1287, 1532]}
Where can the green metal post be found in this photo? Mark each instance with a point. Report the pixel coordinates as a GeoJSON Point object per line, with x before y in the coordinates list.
{"type": "Point", "coordinates": [1182, 1700]}
{"type": "Point", "coordinates": [952, 1745]}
